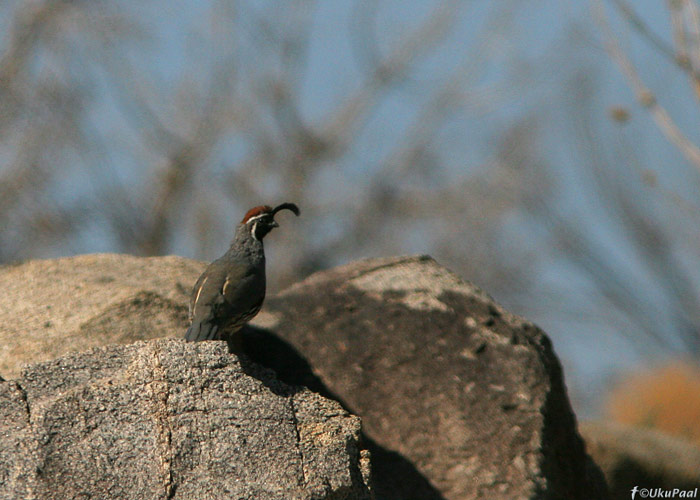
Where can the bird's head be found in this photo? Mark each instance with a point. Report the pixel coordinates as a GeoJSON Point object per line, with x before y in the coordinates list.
{"type": "Point", "coordinates": [261, 220]}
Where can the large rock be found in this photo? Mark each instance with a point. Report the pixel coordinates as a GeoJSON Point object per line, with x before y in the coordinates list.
{"type": "Point", "coordinates": [169, 420]}
{"type": "Point", "coordinates": [459, 399]}
{"type": "Point", "coordinates": [646, 458]}
{"type": "Point", "coordinates": [51, 307]}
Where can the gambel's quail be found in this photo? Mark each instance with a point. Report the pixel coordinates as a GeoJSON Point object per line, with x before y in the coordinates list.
{"type": "Point", "coordinates": [231, 290]}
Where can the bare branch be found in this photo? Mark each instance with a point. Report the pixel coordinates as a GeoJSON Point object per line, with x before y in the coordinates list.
{"type": "Point", "coordinates": [346, 120]}
{"type": "Point", "coordinates": [644, 95]}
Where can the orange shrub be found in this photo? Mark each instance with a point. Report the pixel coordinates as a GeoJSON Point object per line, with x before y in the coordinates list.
{"type": "Point", "coordinates": [666, 398]}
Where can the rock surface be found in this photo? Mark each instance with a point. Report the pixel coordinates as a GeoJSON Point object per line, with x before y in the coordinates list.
{"type": "Point", "coordinates": [459, 399]}
{"type": "Point", "coordinates": [168, 420]}
{"type": "Point", "coordinates": [51, 307]}
{"type": "Point", "coordinates": [445, 381]}
{"type": "Point", "coordinates": [633, 456]}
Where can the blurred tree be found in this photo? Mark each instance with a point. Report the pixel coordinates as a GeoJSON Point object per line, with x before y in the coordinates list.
{"type": "Point", "coordinates": [149, 129]}
{"type": "Point", "coordinates": [631, 240]}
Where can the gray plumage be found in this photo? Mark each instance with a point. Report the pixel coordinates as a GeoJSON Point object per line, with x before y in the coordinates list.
{"type": "Point", "coordinates": [231, 290]}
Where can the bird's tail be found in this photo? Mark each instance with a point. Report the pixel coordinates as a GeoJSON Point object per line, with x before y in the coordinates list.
{"type": "Point", "coordinates": [199, 331]}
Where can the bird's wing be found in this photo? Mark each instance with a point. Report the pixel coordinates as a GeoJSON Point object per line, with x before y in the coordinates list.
{"type": "Point", "coordinates": [244, 287]}
{"type": "Point", "coordinates": [207, 293]}
{"type": "Point", "coordinates": [196, 290]}
{"type": "Point", "coordinates": [223, 291]}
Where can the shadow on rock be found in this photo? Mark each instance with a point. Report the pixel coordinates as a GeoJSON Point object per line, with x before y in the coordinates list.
{"type": "Point", "coordinates": [393, 476]}
{"type": "Point", "coordinates": [265, 373]}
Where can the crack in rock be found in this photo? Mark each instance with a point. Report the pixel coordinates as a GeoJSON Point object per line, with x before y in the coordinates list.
{"type": "Point", "coordinates": [300, 449]}
{"type": "Point", "coordinates": [160, 393]}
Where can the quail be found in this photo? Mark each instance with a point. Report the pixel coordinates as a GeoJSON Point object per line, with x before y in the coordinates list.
{"type": "Point", "coordinates": [230, 291]}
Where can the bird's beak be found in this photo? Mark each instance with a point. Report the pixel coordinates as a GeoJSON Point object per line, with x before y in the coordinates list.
{"type": "Point", "coordinates": [274, 224]}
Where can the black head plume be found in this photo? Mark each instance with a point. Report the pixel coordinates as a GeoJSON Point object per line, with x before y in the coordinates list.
{"type": "Point", "coordinates": [286, 206]}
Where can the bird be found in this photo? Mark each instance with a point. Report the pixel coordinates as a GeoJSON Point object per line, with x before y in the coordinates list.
{"type": "Point", "coordinates": [231, 290]}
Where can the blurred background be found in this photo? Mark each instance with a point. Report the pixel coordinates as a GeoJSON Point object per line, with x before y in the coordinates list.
{"type": "Point", "coordinates": [548, 151]}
